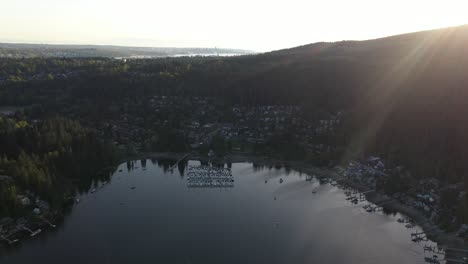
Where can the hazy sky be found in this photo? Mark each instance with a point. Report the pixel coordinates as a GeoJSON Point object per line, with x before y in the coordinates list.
{"type": "Point", "coordinates": [249, 24]}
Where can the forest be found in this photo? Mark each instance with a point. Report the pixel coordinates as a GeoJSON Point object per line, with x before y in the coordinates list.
{"type": "Point", "coordinates": [45, 158]}
{"type": "Point", "coordinates": [404, 98]}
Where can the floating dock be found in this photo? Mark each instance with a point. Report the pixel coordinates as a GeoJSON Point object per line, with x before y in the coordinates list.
{"type": "Point", "coordinates": [209, 177]}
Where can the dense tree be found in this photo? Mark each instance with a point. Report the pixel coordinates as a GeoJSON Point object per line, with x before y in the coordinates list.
{"type": "Point", "coordinates": [43, 157]}
{"type": "Point", "coordinates": [404, 98]}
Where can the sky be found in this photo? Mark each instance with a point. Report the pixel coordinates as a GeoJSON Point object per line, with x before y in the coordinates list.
{"type": "Point", "coordinates": [246, 24]}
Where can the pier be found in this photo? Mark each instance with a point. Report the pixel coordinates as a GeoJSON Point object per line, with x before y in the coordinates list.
{"type": "Point", "coordinates": [177, 162]}
{"type": "Point", "coordinates": [32, 233]}
{"type": "Point", "coordinates": [377, 207]}
{"type": "Point", "coordinates": [48, 222]}
{"type": "Point", "coordinates": [366, 192]}
{"type": "Point", "coordinates": [9, 241]}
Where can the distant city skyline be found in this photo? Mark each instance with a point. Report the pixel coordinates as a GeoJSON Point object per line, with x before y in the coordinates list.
{"type": "Point", "coordinates": [251, 25]}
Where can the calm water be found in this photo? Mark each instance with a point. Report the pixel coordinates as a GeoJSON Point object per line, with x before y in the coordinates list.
{"type": "Point", "coordinates": [259, 220]}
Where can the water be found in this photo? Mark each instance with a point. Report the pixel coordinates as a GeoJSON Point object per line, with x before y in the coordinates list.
{"type": "Point", "coordinates": [147, 215]}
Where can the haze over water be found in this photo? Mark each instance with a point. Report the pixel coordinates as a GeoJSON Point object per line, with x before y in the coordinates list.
{"type": "Point", "coordinates": [149, 215]}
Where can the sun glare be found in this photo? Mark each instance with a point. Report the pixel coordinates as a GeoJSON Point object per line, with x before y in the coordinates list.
{"type": "Point", "coordinates": [256, 25]}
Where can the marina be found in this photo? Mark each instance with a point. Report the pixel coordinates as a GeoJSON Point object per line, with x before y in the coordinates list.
{"type": "Point", "coordinates": [209, 177]}
{"type": "Point", "coordinates": [268, 210]}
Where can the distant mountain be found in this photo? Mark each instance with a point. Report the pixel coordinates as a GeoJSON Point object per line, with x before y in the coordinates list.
{"type": "Point", "coordinates": [20, 50]}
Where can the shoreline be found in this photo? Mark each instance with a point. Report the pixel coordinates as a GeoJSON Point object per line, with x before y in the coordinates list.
{"type": "Point", "coordinates": [432, 231]}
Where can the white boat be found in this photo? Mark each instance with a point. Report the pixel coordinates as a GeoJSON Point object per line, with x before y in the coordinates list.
{"type": "Point", "coordinates": [36, 232]}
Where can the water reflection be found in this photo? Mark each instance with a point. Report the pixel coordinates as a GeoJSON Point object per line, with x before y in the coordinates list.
{"type": "Point", "coordinates": [272, 214]}
{"type": "Point", "coordinates": [182, 165]}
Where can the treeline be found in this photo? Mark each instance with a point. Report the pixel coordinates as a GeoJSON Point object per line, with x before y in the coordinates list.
{"type": "Point", "coordinates": [404, 96]}
{"type": "Point", "coordinates": [45, 158]}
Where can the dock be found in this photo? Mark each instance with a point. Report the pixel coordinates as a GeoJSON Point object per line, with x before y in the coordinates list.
{"type": "Point", "coordinates": [32, 233]}
{"type": "Point", "coordinates": [366, 192]}
{"type": "Point", "coordinates": [377, 207]}
{"type": "Point", "coordinates": [178, 161]}
{"type": "Point", "coordinates": [209, 177]}
{"type": "Point", "coordinates": [47, 222]}
{"type": "Point", "coordinates": [9, 241]}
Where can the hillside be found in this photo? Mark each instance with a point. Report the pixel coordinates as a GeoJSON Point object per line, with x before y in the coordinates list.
{"type": "Point", "coordinates": [410, 59]}
{"type": "Point", "coordinates": [401, 98]}
{"type": "Point", "coordinates": [404, 95]}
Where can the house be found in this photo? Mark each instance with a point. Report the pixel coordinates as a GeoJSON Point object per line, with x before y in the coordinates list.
{"type": "Point", "coordinates": [24, 200]}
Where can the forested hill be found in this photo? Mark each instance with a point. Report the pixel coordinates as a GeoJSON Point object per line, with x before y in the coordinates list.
{"type": "Point", "coordinates": [404, 96]}
{"type": "Point", "coordinates": [407, 94]}
{"type": "Point", "coordinates": [349, 72]}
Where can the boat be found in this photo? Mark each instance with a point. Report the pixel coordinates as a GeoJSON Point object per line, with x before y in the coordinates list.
{"type": "Point", "coordinates": [281, 180]}
{"type": "Point", "coordinates": [93, 190]}
{"type": "Point", "coordinates": [36, 232]}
